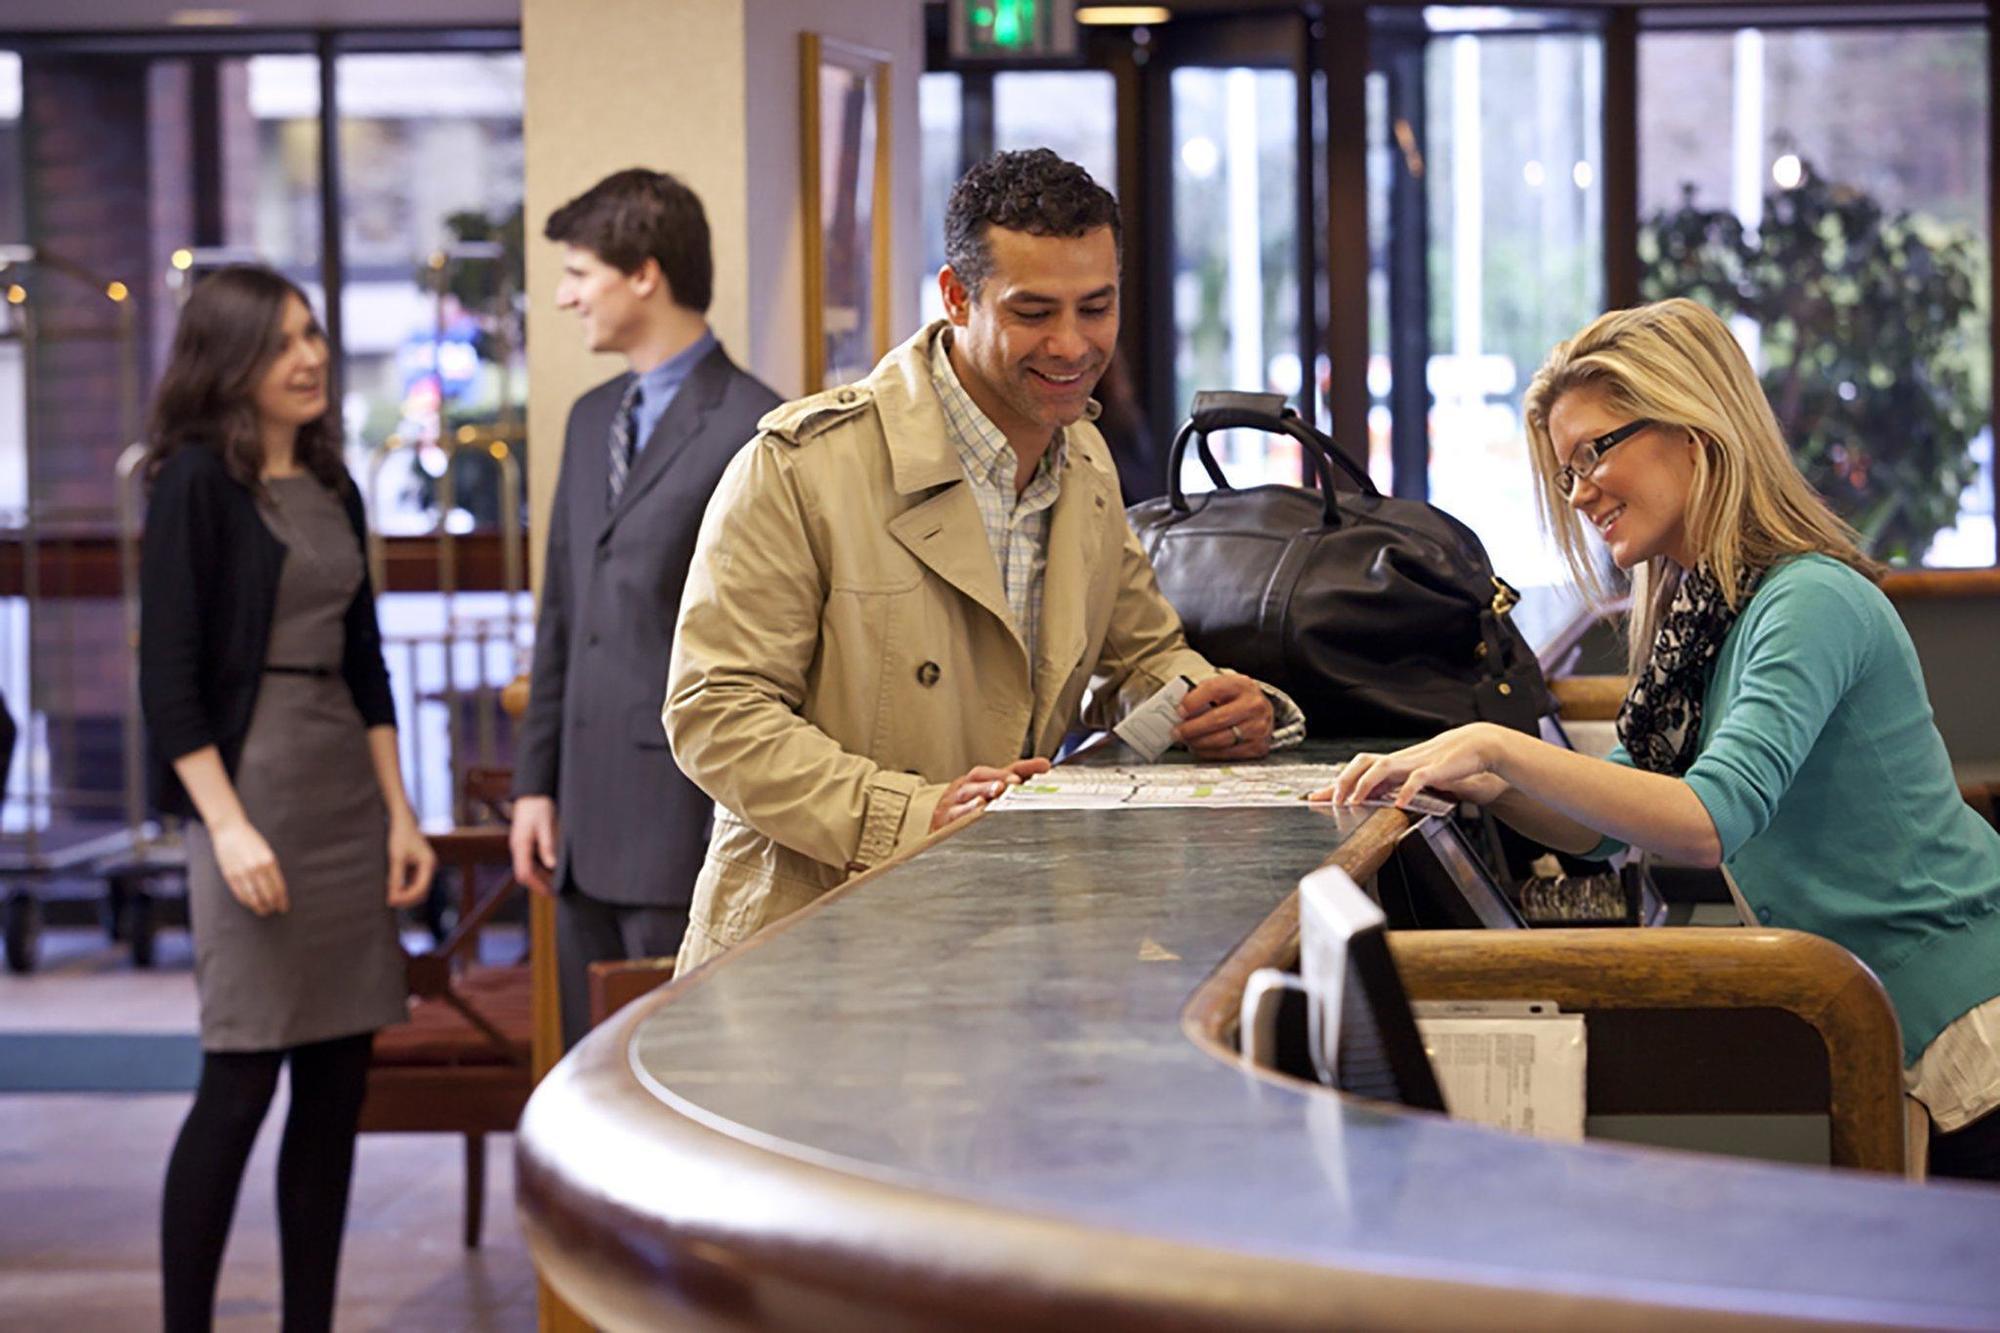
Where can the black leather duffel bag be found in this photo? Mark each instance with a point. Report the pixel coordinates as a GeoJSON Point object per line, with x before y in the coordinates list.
{"type": "Point", "coordinates": [1382, 617]}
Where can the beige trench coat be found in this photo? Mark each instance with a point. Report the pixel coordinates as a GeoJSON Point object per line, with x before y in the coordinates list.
{"type": "Point", "coordinates": [845, 647]}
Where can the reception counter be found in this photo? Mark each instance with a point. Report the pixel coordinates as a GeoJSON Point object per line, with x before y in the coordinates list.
{"type": "Point", "coordinates": [958, 1094]}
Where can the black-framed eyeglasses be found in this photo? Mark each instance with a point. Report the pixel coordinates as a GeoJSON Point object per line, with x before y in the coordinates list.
{"type": "Point", "coordinates": [1583, 459]}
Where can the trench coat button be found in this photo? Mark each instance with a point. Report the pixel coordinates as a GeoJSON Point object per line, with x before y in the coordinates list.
{"type": "Point", "coordinates": [844, 397]}
{"type": "Point", "coordinates": [1505, 688]}
{"type": "Point", "coordinates": [1764, 915]}
{"type": "Point", "coordinates": [928, 674]}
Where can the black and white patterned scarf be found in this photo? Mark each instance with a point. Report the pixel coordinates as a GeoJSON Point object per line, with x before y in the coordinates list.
{"type": "Point", "coordinates": [1659, 723]}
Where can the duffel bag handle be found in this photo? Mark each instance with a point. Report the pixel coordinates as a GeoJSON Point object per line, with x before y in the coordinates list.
{"type": "Point", "coordinates": [1229, 409]}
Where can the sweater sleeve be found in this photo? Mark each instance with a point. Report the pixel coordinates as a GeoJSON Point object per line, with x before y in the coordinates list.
{"type": "Point", "coordinates": [176, 551]}
{"type": "Point", "coordinates": [1608, 846]}
{"type": "Point", "coordinates": [1807, 646]}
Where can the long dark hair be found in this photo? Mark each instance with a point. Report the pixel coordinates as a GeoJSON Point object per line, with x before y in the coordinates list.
{"type": "Point", "coordinates": [230, 332]}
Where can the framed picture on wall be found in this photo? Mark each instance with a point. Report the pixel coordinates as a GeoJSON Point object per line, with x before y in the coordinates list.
{"type": "Point", "coordinates": [846, 150]}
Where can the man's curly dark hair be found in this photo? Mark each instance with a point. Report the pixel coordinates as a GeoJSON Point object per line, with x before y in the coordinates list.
{"type": "Point", "coordinates": [1032, 191]}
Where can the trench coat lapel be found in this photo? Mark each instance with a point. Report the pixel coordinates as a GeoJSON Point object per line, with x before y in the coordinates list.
{"type": "Point", "coordinates": [948, 536]}
{"type": "Point", "coordinates": [944, 531]}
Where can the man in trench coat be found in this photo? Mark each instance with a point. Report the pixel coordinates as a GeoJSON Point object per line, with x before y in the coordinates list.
{"type": "Point", "coordinates": [907, 591]}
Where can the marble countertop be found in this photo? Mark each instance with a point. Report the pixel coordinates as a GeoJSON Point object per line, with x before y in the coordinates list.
{"type": "Point", "coordinates": [996, 1022]}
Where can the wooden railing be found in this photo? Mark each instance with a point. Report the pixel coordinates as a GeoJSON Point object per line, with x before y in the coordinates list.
{"type": "Point", "coordinates": [1716, 972]}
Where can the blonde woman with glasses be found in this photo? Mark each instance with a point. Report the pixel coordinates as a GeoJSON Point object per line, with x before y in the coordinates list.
{"type": "Point", "coordinates": [1777, 724]}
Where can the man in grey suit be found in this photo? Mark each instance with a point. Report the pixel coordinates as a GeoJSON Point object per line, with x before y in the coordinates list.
{"type": "Point", "coordinates": [603, 820]}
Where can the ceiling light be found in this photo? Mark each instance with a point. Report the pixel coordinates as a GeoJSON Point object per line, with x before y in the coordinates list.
{"type": "Point", "coordinates": [1123, 16]}
{"type": "Point", "coordinates": [206, 18]}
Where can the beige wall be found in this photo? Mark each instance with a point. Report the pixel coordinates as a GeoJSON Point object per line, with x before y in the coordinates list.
{"type": "Point", "coordinates": [709, 90]}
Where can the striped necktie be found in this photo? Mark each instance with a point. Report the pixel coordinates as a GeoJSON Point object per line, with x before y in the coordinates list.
{"type": "Point", "coordinates": [623, 429]}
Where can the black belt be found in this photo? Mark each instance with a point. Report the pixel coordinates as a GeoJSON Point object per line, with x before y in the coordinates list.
{"type": "Point", "coordinates": [273, 669]}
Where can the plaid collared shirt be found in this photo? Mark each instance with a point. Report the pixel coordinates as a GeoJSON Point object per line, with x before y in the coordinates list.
{"type": "Point", "coordinates": [1017, 529]}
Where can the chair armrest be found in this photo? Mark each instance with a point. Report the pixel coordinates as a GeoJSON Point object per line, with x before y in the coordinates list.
{"type": "Point", "coordinates": [465, 850]}
{"type": "Point", "coordinates": [616, 982]}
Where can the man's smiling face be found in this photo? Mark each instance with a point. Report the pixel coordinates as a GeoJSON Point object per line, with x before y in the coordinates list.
{"type": "Point", "coordinates": [1040, 332]}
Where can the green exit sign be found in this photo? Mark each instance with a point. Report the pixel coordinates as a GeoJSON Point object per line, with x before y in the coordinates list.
{"type": "Point", "coordinates": [1002, 30]}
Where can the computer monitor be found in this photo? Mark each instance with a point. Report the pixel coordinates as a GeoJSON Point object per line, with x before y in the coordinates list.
{"type": "Point", "coordinates": [1435, 881]}
{"type": "Point", "coordinates": [1361, 1034]}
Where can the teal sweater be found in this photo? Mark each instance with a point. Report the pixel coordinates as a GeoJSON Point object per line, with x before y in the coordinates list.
{"type": "Point", "coordinates": [1834, 799]}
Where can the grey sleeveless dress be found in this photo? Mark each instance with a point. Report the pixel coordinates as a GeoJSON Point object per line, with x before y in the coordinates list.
{"type": "Point", "coordinates": [331, 966]}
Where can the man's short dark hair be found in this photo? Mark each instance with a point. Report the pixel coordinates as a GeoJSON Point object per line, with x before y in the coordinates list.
{"type": "Point", "coordinates": [635, 213]}
{"type": "Point", "coordinates": [1032, 191]}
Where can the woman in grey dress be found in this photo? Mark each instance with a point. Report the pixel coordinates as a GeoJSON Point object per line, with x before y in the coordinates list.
{"type": "Point", "coordinates": [268, 711]}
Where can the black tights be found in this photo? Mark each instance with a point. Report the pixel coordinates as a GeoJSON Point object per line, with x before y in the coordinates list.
{"type": "Point", "coordinates": [315, 1164]}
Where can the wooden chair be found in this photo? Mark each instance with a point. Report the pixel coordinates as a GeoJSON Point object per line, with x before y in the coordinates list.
{"type": "Point", "coordinates": [1699, 1021]}
{"type": "Point", "coordinates": [617, 982]}
{"type": "Point", "coordinates": [461, 1065]}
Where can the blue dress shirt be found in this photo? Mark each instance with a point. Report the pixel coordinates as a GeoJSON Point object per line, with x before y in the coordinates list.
{"type": "Point", "coordinates": [658, 386]}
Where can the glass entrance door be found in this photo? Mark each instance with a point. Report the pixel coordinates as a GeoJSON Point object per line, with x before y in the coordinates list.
{"type": "Point", "coordinates": [1237, 176]}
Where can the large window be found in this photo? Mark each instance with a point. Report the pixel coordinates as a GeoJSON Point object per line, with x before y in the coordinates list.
{"type": "Point", "coordinates": [1235, 264]}
{"type": "Point", "coordinates": [1493, 132]}
{"type": "Point", "coordinates": [941, 113]}
{"type": "Point", "coordinates": [432, 307]}
{"type": "Point", "coordinates": [206, 152]}
{"type": "Point", "coordinates": [1072, 112]}
{"type": "Point", "coordinates": [1828, 188]}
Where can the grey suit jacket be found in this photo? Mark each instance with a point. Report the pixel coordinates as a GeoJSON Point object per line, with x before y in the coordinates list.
{"type": "Point", "coordinates": [633, 829]}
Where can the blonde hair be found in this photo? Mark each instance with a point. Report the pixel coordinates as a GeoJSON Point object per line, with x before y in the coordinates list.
{"type": "Point", "coordinates": [1675, 363]}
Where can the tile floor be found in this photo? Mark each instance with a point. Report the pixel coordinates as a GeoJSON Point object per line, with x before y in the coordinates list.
{"type": "Point", "coordinates": [80, 1181]}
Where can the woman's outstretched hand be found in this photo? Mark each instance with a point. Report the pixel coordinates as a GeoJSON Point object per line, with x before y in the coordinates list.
{"type": "Point", "coordinates": [1460, 764]}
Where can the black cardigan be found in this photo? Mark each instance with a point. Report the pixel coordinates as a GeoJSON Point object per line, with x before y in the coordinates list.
{"type": "Point", "coordinates": [208, 583]}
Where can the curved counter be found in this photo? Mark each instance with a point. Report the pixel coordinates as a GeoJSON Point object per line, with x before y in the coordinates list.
{"type": "Point", "coordinates": [957, 1093]}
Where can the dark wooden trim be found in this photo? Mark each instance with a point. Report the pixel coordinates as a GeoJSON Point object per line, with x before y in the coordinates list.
{"type": "Point", "coordinates": [205, 132]}
{"type": "Point", "coordinates": [1131, 136]}
{"type": "Point", "coordinates": [975, 118]}
{"type": "Point", "coordinates": [1924, 585]}
{"type": "Point", "coordinates": [1407, 247]}
{"type": "Point", "coordinates": [333, 276]}
{"type": "Point", "coordinates": [1621, 159]}
{"type": "Point", "coordinates": [1149, 250]}
{"type": "Point", "coordinates": [87, 566]}
{"type": "Point", "coordinates": [1307, 262]}
{"type": "Point", "coordinates": [1344, 56]}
